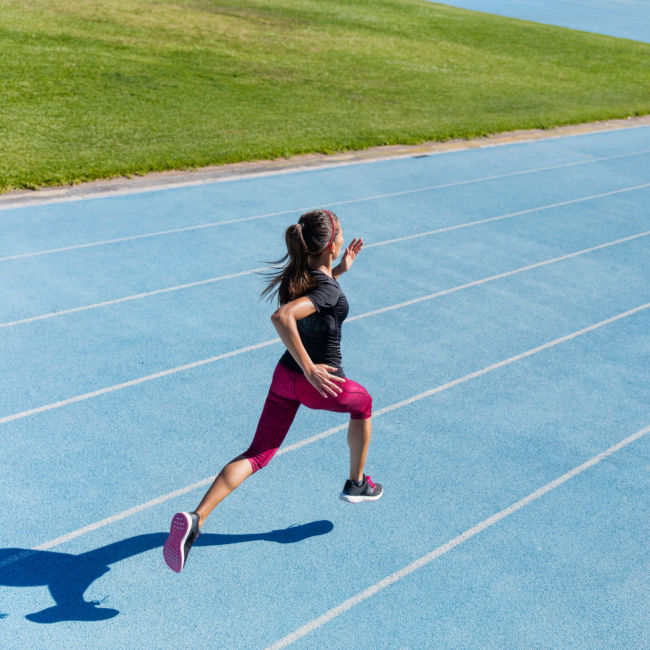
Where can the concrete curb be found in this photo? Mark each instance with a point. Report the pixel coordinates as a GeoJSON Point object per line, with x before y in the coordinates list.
{"type": "Point", "coordinates": [172, 179]}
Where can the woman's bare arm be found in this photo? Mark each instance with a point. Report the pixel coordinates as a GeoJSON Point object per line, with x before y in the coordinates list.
{"type": "Point", "coordinates": [351, 252]}
{"type": "Point", "coordinates": [284, 320]}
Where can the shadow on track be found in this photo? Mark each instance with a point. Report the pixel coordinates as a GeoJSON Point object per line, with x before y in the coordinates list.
{"type": "Point", "coordinates": [68, 576]}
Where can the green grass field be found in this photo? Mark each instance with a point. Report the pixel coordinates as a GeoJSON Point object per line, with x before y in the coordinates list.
{"type": "Point", "coordinates": [98, 89]}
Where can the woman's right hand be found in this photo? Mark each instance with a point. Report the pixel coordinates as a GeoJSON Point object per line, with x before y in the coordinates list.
{"type": "Point", "coordinates": [323, 381]}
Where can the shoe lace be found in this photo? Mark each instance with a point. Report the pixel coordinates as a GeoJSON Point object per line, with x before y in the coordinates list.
{"type": "Point", "coordinates": [370, 483]}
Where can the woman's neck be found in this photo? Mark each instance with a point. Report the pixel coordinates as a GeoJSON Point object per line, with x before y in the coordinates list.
{"type": "Point", "coordinates": [323, 264]}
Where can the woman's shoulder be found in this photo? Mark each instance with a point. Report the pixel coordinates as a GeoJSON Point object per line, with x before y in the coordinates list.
{"type": "Point", "coordinates": [322, 278]}
{"type": "Point", "coordinates": [325, 283]}
{"type": "Point", "coordinates": [326, 293]}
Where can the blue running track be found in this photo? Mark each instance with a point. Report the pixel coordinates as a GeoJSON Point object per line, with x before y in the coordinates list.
{"type": "Point", "coordinates": [620, 18]}
{"type": "Point", "coordinates": [500, 317]}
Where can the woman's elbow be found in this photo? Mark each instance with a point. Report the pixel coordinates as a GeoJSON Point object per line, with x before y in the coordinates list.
{"type": "Point", "coordinates": [278, 316]}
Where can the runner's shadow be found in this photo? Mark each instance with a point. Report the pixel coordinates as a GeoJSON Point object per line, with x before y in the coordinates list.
{"type": "Point", "coordinates": [68, 576]}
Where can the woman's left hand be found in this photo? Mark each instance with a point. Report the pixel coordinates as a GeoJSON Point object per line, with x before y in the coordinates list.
{"type": "Point", "coordinates": [350, 253]}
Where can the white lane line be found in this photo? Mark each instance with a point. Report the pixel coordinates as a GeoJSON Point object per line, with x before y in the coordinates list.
{"type": "Point", "coordinates": [107, 521]}
{"type": "Point", "coordinates": [510, 215]}
{"type": "Point", "coordinates": [179, 287]}
{"type": "Point", "coordinates": [297, 168]}
{"type": "Point", "coordinates": [134, 382]}
{"type": "Point", "coordinates": [507, 362]}
{"type": "Point", "coordinates": [203, 362]}
{"type": "Point", "coordinates": [136, 296]}
{"type": "Point", "coordinates": [451, 544]}
{"type": "Point", "coordinates": [142, 236]}
{"type": "Point", "coordinates": [329, 204]}
{"type": "Point", "coordinates": [14, 558]}
{"type": "Point", "coordinates": [324, 434]}
{"type": "Point", "coordinates": [476, 283]}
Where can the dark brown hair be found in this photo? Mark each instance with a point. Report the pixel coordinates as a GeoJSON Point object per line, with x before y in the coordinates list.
{"type": "Point", "coordinates": [308, 238]}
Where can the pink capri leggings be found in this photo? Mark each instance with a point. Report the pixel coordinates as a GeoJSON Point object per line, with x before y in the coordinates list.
{"type": "Point", "coordinates": [288, 391]}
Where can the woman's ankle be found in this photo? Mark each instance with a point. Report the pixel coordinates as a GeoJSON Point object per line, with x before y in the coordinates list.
{"type": "Point", "coordinates": [202, 518]}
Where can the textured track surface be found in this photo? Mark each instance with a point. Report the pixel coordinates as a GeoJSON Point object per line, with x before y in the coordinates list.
{"type": "Point", "coordinates": [499, 317]}
{"type": "Point", "coordinates": [620, 18]}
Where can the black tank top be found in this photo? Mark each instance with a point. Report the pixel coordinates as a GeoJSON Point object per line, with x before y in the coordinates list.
{"type": "Point", "coordinates": [320, 332]}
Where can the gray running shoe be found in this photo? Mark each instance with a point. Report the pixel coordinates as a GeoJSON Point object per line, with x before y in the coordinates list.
{"type": "Point", "coordinates": [367, 491]}
{"type": "Point", "coordinates": [184, 530]}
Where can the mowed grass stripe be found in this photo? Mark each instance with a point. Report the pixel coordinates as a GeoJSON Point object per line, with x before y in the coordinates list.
{"type": "Point", "coordinates": [94, 90]}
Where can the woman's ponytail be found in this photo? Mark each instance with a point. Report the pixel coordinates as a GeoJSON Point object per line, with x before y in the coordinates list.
{"type": "Point", "coordinates": [308, 237]}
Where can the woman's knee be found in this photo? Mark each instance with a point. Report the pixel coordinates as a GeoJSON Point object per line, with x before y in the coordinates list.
{"type": "Point", "coordinates": [363, 408]}
{"type": "Point", "coordinates": [259, 459]}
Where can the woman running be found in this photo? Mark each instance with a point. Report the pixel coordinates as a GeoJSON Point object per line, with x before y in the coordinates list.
{"type": "Point", "coordinates": [312, 310]}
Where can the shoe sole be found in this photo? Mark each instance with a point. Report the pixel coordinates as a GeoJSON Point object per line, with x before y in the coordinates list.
{"type": "Point", "coordinates": [358, 499]}
{"type": "Point", "coordinates": [174, 548]}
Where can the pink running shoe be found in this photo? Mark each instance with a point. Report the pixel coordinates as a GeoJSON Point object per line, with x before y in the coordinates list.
{"type": "Point", "coordinates": [182, 533]}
